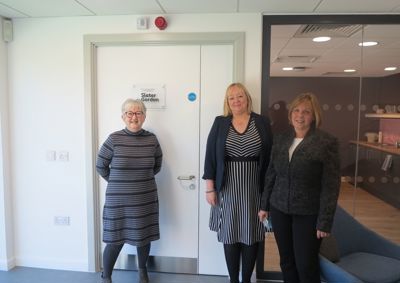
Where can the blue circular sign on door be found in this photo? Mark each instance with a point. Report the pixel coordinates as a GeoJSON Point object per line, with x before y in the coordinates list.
{"type": "Point", "coordinates": [192, 96]}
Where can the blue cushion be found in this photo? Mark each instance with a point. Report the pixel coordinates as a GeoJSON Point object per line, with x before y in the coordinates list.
{"type": "Point", "coordinates": [332, 273]}
{"type": "Point", "coordinates": [371, 268]}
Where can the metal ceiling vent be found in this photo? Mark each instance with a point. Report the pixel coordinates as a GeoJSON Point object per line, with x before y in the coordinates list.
{"type": "Point", "coordinates": [333, 30]}
{"type": "Point", "coordinates": [338, 74]}
{"type": "Point", "coordinates": [299, 69]}
{"type": "Point", "coordinates": [296, 59]}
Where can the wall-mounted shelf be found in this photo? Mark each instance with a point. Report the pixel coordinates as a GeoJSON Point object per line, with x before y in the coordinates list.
{"type": "Point", "coordinates": [383, 116]}
{"type": "Point", "coordinates": [380, 147]}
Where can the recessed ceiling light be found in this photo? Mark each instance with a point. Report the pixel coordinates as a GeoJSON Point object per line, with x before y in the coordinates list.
{"type": "Point", "coordinates": [321, 38]}
{"type": "Point", "coordinates": [287, 68]}
{"type": "Point", "coordinates": [367, 43]}
{"type": "Point", "coordinates": [390, 68]}
{"type": "Point", "coordinates": [349, 71]}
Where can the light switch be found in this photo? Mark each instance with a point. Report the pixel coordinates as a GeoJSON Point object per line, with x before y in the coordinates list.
{"type": "Point", "coordinates": [142, 23]}
{"type": "Point", "coordinates": [63, 156]}
{"type": "Point", "coordinates": [62, 220]}
{"type": "Point", "coordinates": [50, 155]}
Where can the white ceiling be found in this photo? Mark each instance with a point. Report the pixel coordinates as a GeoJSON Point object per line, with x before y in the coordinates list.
{"type": "Point", "coordinates": [332, 56]}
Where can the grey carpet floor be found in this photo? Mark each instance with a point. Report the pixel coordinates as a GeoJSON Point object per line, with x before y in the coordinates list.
{"type": "Point", "coordinates": [37, 275]}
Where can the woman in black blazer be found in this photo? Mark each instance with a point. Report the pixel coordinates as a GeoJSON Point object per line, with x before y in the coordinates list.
{"type": "Point", "coordinates": [301, 190]}
{"type": "Point", "coordinates": [237, 155]}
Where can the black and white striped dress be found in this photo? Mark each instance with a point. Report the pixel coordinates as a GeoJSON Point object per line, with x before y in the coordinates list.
{"type": "Point", "coordinates": [235, 218]}
{"type": "Point", "coordinates": [128, 162]}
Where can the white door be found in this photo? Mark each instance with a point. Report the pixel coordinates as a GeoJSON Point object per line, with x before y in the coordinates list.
{"type": "Point", "coordinates": [216, 75]}
{"type": "Point", "coordinates": [182, 127]}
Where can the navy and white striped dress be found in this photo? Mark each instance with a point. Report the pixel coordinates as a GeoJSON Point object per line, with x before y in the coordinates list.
{"type": "Point", "coordinates": [235, 217]}
{"type": "Point", "coordinates": [128, 161]}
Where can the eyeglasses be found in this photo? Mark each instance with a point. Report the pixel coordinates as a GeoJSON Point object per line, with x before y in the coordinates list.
{"type": "Point", "coordinates": [130, 114]}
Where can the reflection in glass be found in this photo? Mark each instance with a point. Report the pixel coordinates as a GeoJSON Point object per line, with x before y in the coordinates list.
{"type": "Point", "coordinates": [369, 193]}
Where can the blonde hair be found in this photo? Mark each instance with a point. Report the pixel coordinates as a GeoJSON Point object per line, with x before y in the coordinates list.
{"type": "Point", "coordinates": [227, 109]}
{"type": "Point", "coordinates": [316, 108]}
{"type": "Point", "coordinates": [133, 102]}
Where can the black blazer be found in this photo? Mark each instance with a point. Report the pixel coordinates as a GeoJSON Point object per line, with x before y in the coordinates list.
{"type": "Point", "coordinates": [214, 164]}
{"type": "Point", "coordinates": [309, 183]}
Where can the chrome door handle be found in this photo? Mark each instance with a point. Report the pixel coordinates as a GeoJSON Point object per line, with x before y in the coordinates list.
{"type": "Point", "coordinates": [190, 177]}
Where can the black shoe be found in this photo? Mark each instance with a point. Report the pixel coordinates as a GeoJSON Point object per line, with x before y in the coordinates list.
{"type": "Point", "coordinates": [143, 277]}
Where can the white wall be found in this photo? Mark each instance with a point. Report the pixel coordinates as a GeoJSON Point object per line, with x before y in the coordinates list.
{"type": "Point", "coordinates": [6, 230]}
{"type": "Point", "coordinates": [47, 113]}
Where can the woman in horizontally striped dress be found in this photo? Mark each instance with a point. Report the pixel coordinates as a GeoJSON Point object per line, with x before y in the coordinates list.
{"type": "Point", "coordinates": [128, 160]}
{"type": "Point", "coordinates": [237, 156]}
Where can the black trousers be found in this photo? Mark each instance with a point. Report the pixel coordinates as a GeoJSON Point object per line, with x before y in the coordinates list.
{"type": "Point", "coordinates": [296, 237]}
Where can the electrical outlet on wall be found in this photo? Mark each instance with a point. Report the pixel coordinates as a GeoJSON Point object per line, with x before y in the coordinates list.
{"type": "Point", "coordinates": [61, 220]}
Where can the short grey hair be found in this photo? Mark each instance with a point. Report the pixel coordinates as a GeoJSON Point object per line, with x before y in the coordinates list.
{"type": "Point", "coordinates": [133, 102]}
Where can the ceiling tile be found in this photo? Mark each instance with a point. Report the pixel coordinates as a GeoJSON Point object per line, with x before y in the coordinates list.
{"type": "Point", "coordinates": [357, 6]}
{"type": "Point", "coordinates": [283, 31]}
{"type": "Point", "coordinates": [376, 30]}
{"type": "Point", "coordinates": [396, 9]}
{"type": "Point", "coordinates": [302, 52]}
{"type": "Point", "coordinates": [122, 7]}
{"type": "Point", "coordinates": [8, 12]}
{"type": "Point", "coordinates": [199, 6]}
{"type": "Point", "coordinates": [48, 8]}
{"type": "Point", "coordinates": [278, 6]}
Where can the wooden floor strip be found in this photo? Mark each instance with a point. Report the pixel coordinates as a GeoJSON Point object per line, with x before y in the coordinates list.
{"type": "Point", "coordinates": [367, 209]}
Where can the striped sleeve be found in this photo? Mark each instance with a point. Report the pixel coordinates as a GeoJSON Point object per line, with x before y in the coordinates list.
{"type": "Point", "coordinates": [104, 158]}
{"type": "Point", "coordinates": [158, 158]}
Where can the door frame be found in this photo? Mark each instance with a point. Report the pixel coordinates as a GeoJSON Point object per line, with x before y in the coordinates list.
{"type": "Point", "coordinates": [91, 42]}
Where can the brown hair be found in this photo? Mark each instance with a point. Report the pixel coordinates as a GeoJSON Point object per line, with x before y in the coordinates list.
{"type": "Point", "coordinates": [227, 109]}
{"type": "Point", "coordinates": [316, 108]}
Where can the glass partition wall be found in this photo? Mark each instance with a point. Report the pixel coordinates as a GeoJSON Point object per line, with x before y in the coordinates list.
{"type": "Point", "coordinates": [360, 103]}
{"type": "Point", "coordinates": [377, 179]}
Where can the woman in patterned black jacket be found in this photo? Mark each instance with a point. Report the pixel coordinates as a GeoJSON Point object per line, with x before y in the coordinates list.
{"type": "Point", "coordinates": [301, 190]}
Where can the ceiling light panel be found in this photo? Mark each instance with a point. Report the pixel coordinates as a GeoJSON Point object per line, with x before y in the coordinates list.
{"type": "Point", "coordinates": [321, 39]}
{"type": "Point", "coordinates": [368, 43]}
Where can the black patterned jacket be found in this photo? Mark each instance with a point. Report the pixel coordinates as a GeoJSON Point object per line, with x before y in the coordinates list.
{"type": "Point", "coordinates": [308, 184]}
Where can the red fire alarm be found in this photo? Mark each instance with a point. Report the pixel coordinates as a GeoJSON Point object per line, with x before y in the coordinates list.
{"type": "Point", "coordinates": [160, 22]}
